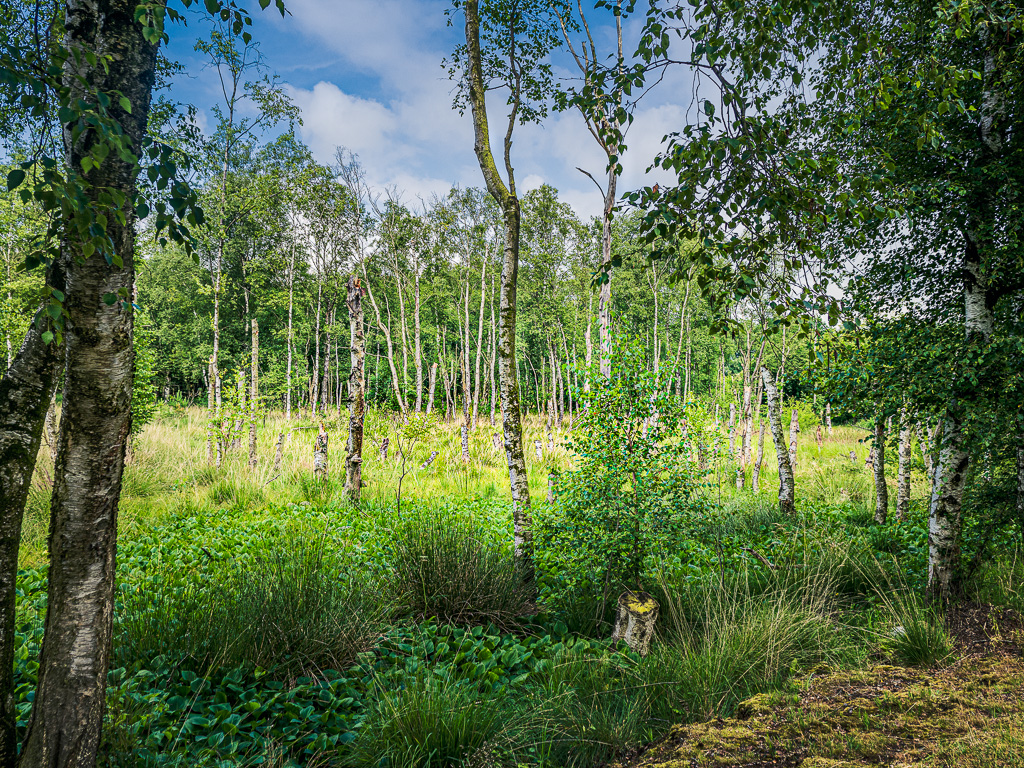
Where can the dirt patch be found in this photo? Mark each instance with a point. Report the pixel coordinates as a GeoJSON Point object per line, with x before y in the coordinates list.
{"type": "Point", "coordinates": [981, 627]}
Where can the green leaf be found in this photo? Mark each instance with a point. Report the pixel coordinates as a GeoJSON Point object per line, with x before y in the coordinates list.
{"type": "Point", "coordinates": [47, 337]}
{"type": "Point", "coordinates": [109, 299]}
{"type": "Point", "coordinates": [14, 179]}
{"type": "Point", "coordinates": [126, 104]}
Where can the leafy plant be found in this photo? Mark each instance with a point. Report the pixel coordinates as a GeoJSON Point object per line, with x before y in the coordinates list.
{"type": "Point", "coordinates": [635, 486]}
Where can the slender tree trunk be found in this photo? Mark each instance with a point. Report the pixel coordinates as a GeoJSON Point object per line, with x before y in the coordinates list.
{"type": "Point", "coordinates": [787, 502]}
{"type": "Point", "coordinates": [794, 430]}
{"type": "Point", "coordinates": [588, 341]}
{"type": "Point", "coordinates": [881, 489]}
{"type": "Point", "coordinates": [26, 390]}
{"type": "Point", "coordinates": [356, 395]}
{"type": "Point", "coordinates": [903, 481]}
{"type": "Point", "coordinates": [479, 345]}
{"type": "Point", "coordinates": [67, 711]}
{"type": "Point", "coordinates": [314, 382]}
{"type": "Point", "coordinates": [508, 379]}
{"type": "Point", "coordinates": [288, 376]}
{"type": "Point", "coordinates": [604, 306]}
{"type": "Point", "coordinates": [432, 385]}
{"type": "Point", "coordinates": [756, 474]}
{"type": "Point", "coordinates": [493, 344]}
{"type": "Point", "coordinates": [417, 342]}
{"type": "Point", "coordinates": [386, 330]}
{"type": "Point", "coordinates": [254, 391]}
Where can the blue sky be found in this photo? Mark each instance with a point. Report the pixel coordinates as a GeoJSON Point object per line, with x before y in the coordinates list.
{"type": "Point", "coordinates": [367, 75]}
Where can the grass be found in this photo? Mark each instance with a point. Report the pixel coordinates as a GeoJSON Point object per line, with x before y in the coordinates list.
{"type": "Point", "coordinates": [443, 569]}
{"type": "Point", "coordinates": [259, 616]}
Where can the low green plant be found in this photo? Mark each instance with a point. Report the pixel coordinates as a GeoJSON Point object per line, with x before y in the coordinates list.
{"type": "Point", "coordinates": [914, 633]}
{"type": "Point", "coordinates": [444, 568]}
{"type": "Point", "coordinates": [430, 722]}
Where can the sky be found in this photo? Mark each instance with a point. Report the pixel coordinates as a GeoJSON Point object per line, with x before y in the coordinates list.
{"type": "Point", "coordinates": [367, 75]}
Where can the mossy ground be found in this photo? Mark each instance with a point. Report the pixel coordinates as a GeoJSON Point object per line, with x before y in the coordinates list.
{"type": "Point", "coordinates": [965, 713]}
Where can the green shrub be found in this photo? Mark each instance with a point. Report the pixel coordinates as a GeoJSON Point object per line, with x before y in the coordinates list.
{"type": "Point", "coordinates": [635, 490]}
{"type": "Point", "coordinates": [442, 568]}
{"type": "Point", "coordinates": [429, 722]}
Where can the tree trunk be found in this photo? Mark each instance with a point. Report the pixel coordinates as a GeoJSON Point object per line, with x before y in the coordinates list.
{"type": "Point", "coordinates": [756, 474]}
{"type": "Point", "coordinates": [417, 342]}
{"type": "Point", "coordinates": [794, 430]}
{"type": "Point", "coordinates": [67, 711]}
{"type": "Point", "coordinates": [604, 306]}
{"type": "Point", "coordinates": [431, 387]}
{"type": "Point", "coordinates": [320, 467]}
{"type": "Point", "coordinates": [903, 479]}
{"type": "Point", "coordinates": [479, 343]}
{"type": "Point", "coordinates": [881, 489]}
{"type": "Point", "coordinates": [254, 391]}
{"type": "Point", "coordinates": [26, 391]}
{"type": "Point", "coordinates": [314, 382]}
{"type": "Point", "coordinates": [288, 375]}
{"type": "Point", "coordinates": [828, 418]}
{"type": "Point", "coordinates": [787, 503]}
{"type": "Point", "coordinates": [386, 330]}
{"type": "Point", "coordinates": [356, 395]}
{"type": "Point", "coordinates": [508, 379]}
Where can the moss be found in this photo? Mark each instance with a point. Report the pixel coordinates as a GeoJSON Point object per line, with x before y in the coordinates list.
{"type": "Point", "coordinates": [760, 705]}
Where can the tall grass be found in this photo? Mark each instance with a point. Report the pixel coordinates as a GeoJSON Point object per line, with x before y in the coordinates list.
{"type": "Point", "coordinates": [431, 722]}
{"type": "Point", "coordinates": [443, 568]}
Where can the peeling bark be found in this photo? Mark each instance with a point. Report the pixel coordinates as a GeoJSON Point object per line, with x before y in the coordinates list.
{"type": "Point", "coordinates": [356, 394]}
{"type": "Point", "coordinates": [67, 712]}
{"type": "Point", "coordinates": [786, 483]}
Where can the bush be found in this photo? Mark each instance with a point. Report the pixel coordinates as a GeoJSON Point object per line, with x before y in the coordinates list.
{"type": "Point", "coordinates": [443, 569]}
{"type": "Point", "coordinates": [429, 722]}
{"type": "Point", "coordinates": [636, 488]}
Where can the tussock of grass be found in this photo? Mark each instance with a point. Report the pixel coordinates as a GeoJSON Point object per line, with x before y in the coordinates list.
{"type": "Point", "coordinates": [444, 569]}
{"type": "Point", "coordinates": [430, 722]}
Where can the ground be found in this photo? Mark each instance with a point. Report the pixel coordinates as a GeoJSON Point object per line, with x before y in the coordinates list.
{"type": "Point", "coordinates": [966, 712]}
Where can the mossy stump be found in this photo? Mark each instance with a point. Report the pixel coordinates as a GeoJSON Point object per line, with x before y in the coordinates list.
{"type": "Point", "coordinates": [635, 617]}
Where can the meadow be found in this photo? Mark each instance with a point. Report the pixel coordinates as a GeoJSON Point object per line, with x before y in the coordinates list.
{"type": "Point", "coordinates": [262, 620]}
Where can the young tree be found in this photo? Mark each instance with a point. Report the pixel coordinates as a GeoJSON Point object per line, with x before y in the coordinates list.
{"type": "Point", "coordinates": [516, 38]}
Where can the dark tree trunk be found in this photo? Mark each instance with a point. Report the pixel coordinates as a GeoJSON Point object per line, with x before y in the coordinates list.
{"type": "Point", "coordinates": [67, 712]}
{"type": "Point", "coordinates": [25, 394]}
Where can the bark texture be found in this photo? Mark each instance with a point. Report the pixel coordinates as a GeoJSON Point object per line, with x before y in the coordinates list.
{"type": "Point", "coordinates": [787, 502]}
{"type": "Point", "coordinates": [67, 712]}
{"type": "Point", "coordinates": [356, 393]}
{"type": "Point", "coordinates": [26, 391]}
{"type": "Point", "coordinates": [903, 476]}
{"type": "Point", "coordinates": [881, 489]}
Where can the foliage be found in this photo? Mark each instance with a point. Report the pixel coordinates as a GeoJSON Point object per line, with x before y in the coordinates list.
{"type": "Point", "coordinates": [635, 485]}
{"type": "Point", "coordinates": [144, 386]}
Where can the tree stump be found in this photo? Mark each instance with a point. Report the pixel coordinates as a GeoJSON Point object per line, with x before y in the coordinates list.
{"type": "Point", "coordinates": [497, 442]}
{"type": "Point", "coordinates": [428, 462]}
{"type": "Point", "coordinates": [635, 617]}
{"type": "Point", "coordinates": [538, 446]}
{"type": "Point", "coordinates": [384, 449]}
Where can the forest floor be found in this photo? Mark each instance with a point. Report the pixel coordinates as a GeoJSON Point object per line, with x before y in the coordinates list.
{"type": "Point", "coordinates": [967, 712]}
{"type": "Point", "coordinates": [261, 619]}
